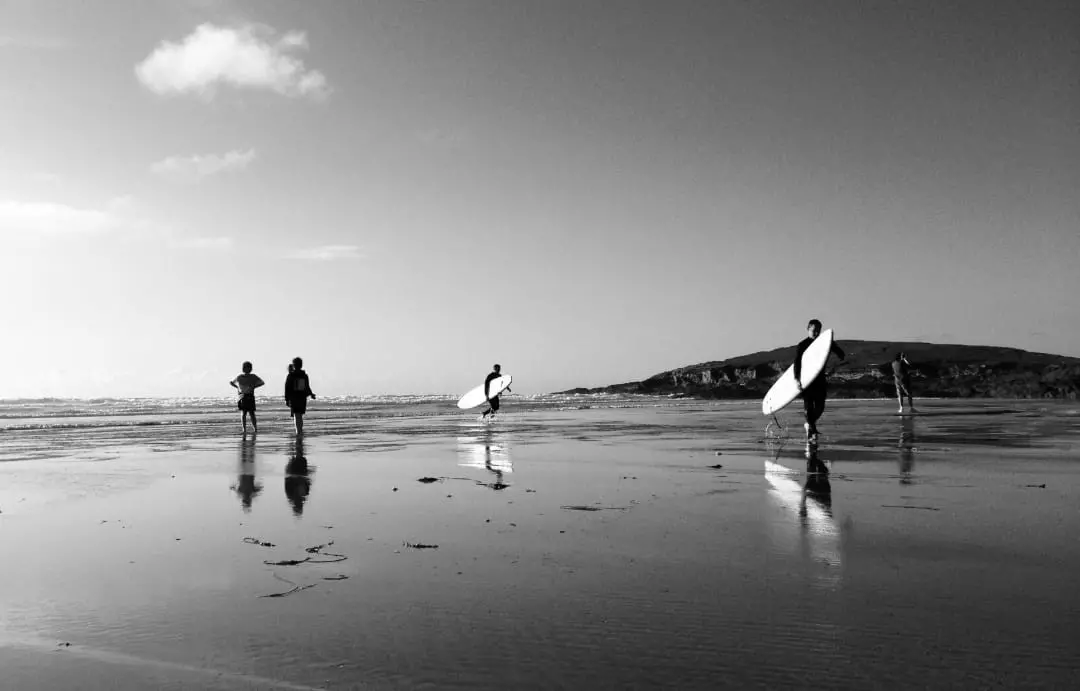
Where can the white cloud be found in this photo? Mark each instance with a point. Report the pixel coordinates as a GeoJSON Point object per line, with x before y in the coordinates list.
{"type": "Point", "coordinates": [197, 167]}
{"type": "Point", "coordinates": [49, 217]}
{"type": "Point", "coordinates": [246, 56]}
{"type": "Point", "coordinates": [327, 253]}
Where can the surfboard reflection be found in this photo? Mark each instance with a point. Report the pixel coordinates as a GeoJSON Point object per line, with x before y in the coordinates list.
{"type": "Point", "coordinates": [485, 452]}
{"type": "Point", "coordinates": [906, 445]}
{"type": "Point", "coordinates": [298, 478]}
{"type": "Point", "coordinates": [246, 486]}
{"type": "Point", "coordinates": [809, 503]}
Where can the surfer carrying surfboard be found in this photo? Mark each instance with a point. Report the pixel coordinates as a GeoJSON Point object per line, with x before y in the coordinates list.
{"type": "Point", "coordinates": [492, 401]}
{"type": "Point", "coordinates": [245, 384]}
{"type": "Point", "coordinates": [297, 391]}
{"type": "Point", "coordinates": [814, 393]}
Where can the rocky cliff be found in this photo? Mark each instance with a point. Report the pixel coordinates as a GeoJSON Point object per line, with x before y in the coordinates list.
{"type": "Point", "coordinates": [938, 370]}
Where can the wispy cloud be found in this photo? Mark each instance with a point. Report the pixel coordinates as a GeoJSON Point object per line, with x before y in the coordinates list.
{"type": "Point", "coordinates": [442, 137]}
{"type": "Point", "coordinates": [45, 177]}
{"type": "Point", "coordinates": [248, 57]}
{"type": "Point", "coordinates": [195, 168]}
{"type": "Point", "coordinates": [49, 217]}
{"type": "Point", "coordinates": [327, 253]}
{"type": "Point", "coordinates": [33, 42]}
{"type": "Point", "coordinates": [120, 214]}
{"type": "Point", "coordinates": [220, 244]}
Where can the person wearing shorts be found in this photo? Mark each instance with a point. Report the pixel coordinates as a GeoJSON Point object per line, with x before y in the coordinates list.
{"type": "Point", "coordinates": [245, 384]}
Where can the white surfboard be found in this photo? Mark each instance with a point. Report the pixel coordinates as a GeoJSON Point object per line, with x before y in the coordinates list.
{"type": "Point", "coordinates": [475, 397]}
{"type": "Point", "coordinates": [784, 390]}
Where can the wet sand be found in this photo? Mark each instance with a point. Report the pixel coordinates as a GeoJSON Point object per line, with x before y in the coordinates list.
{"type": "Point", "coordinates": [575, 549]}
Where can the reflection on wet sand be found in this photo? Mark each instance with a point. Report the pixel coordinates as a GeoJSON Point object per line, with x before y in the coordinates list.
{"type": "Point", "coordinates": [246, 486]}
{"type": "Point", "coordinates": [907, 448]}
{"type": "Point", "coordinates": [483, 451]}
{"type": "Point", "coordinates": [298, 478]}
{"type": "Point", "coordinates": [817, 535]}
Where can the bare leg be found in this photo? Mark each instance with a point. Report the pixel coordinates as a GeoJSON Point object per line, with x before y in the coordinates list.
{"type": "Point", "coordinates": [299, 417]}
{"type": "Point", "coordinates": [254, 425]}
{"type": "Point", "coordinates": [900, 397]}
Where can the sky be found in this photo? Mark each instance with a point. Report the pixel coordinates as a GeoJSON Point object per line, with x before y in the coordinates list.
{"type": "Point", "coordinates": [404, 193]}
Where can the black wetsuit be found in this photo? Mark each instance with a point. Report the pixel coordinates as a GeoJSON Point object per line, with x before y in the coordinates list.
{"type": "Point", "coordinates": [494, 399]}
{"type": "Point", "coordinates": [814, 394]}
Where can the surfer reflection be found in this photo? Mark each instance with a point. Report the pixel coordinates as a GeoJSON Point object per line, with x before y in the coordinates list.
{"type": "Point", "coordinates": [906, 445]}
{"type": "Point", "coordinates": [484, 452]}
{"type": "Point", "coordinates": [817, 488]}
{"type": "Point", "coordinates": [297, 478]}
{"type": "Point", "coordinates": [246, 486]}
{"type": "Point", "coordinates": [807, 528]}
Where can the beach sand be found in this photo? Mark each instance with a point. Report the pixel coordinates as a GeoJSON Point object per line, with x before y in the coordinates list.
{"type": "Point", "coordinates": [557, 549]}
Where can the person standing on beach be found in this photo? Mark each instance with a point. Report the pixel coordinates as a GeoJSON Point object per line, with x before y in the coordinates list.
{"type": "Point", "coordinates": [813, 394]}
{"type": "Point", "coordinates": [493, 402]}
{"type": "Point", "coordinates": [902, 378]}
{"type": "Point", "coordinates": [297, 391]}
{"type": "Point", "coordinates": [245, 384]}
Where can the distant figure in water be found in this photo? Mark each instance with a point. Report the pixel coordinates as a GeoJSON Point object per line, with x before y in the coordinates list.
{"type": "Point", "coordinates": [901, 369]}
{"type": "Point", "coordinates": [245, 384]}
{"type": "Point", "coordinates": [297, 391]}
{"type": "Point", "coordinates": [493, 402]}
{"type": "Point", "coordinates": [297, 478]}
{"type": "Point", "coordinates": [813, 395]}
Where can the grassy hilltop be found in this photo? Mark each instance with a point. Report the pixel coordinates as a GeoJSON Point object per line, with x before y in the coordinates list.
{"type": "Point", "coordinates": [939, 370]}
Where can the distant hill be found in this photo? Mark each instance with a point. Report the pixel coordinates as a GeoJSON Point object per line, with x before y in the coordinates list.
{"type": "Point", "coordinates": [938, 370]}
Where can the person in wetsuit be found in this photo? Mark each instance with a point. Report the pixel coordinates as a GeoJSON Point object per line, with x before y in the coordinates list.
{"type": "Point", "coordinates": [493, 402]}
{"type": "Point", "coordinates": [902, 378]}
{"type": "Point", "coordinates": [813, 395]}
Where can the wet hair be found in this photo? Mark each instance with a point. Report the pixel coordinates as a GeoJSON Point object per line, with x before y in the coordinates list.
{"type": "Point", "coordinates": [813, 322]}
{"type": "Point", "coordinates": [298, 363]}
{"type": "Point", "coordinates": [246, 367]}
{"type": "Point", "coordinates": [496, 366]}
